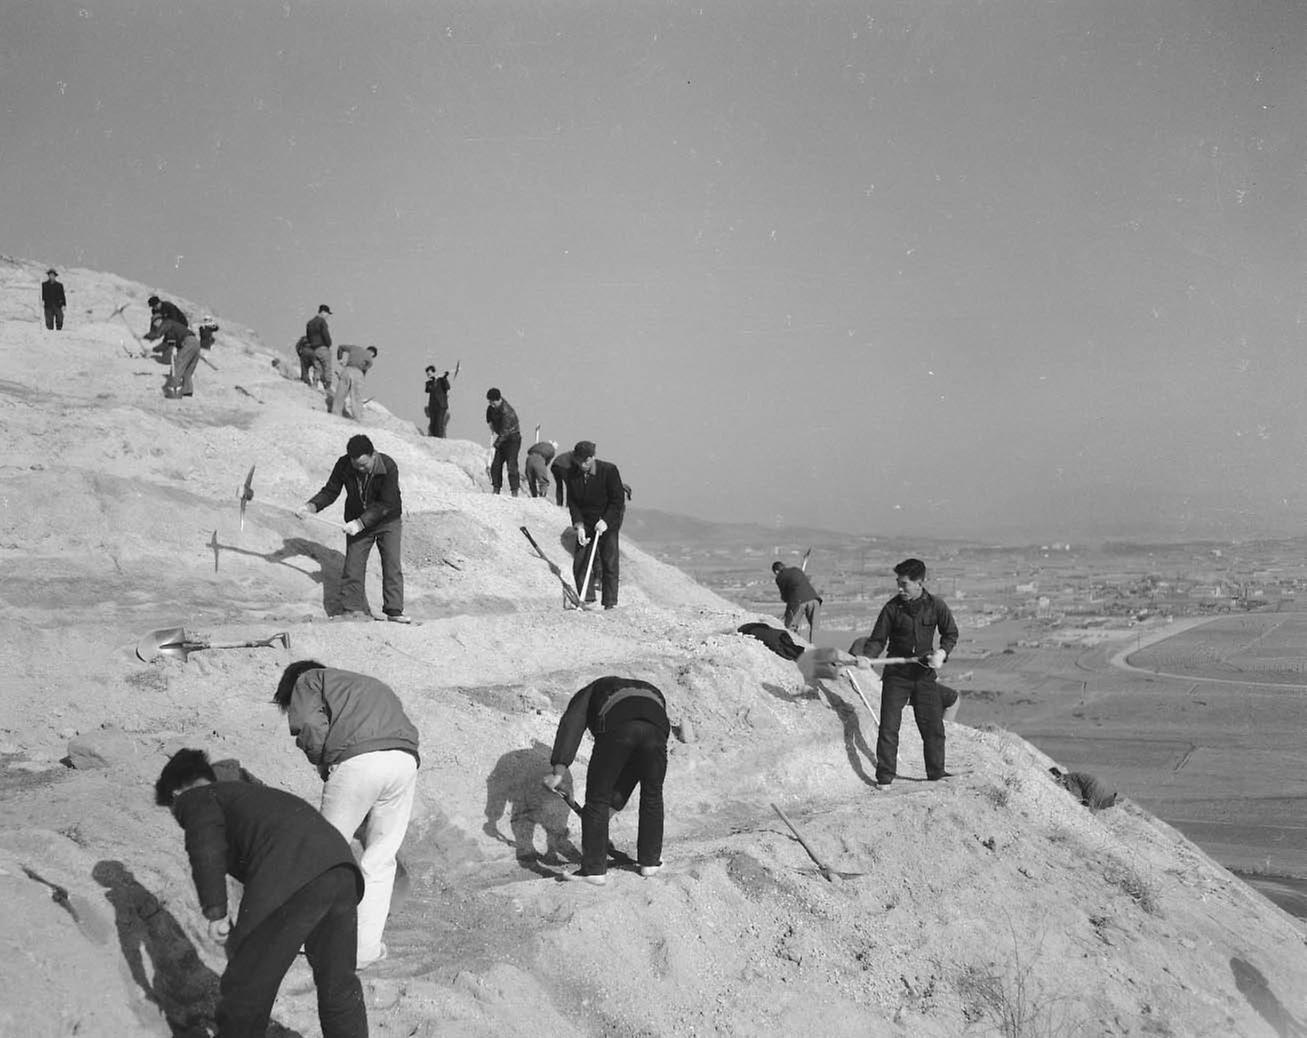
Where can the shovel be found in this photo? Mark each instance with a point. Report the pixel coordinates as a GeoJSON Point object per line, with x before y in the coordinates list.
{"type": "Point", "coordinates": [827, 872]}
{"type": "Point", "coordinates": [621, 857]}
{"type": "Point", "coordinates": [173, 641]}
{"type": "Point", "coordinates": [584, 590]}
{"type": "Point", "coordinates": [568, 594]}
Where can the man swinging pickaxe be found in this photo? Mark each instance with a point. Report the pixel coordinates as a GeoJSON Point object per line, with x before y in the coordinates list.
{"type": "Point", "coordinates": [246, 495]}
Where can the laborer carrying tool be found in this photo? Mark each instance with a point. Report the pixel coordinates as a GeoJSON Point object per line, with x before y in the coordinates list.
{"type": "Point", "coordinates": [174, 642]}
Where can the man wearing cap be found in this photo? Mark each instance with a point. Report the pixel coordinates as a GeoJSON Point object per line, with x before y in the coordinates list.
{"type": "Point", "coordinates": [53, 300]}
{"type": "Point", "coordinates": [349, 388]}
{"type": "Point", "coordinates": [319, 336]}
{"type": "Point", "coordinates": [502, 420]}
{"type": "Point", "coordinates": [597, 504]}
{"type": "Point", "coordinates": [437, 401]}
{"type": "Point", "coordinates": [373, 515]}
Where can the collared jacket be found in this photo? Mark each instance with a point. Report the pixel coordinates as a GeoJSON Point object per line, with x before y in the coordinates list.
{"type": "Point", "coordinates": [337, 714]}
{"type": "Point", "coordinates": [270, 840]}
{"type": "Point", "coordinates": [602, 705]}
{"type": "Point", "coordinates": [795, 587]}
{"type": "Point", "coordinates": [503, 422]}
{"type": "Point", "coordinates": [52, 294]}
{"type": "Point", "coordinates": [908, 628]}
{"type": "Point", "coordinates": [597, 496]}
{"type": "Point", "coordinates": [317, 332]}
{"type": "Point", "coordinates": [372, 496]}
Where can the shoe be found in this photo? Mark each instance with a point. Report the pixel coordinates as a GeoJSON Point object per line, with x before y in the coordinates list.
{"type": "Point", "coordinates": [947, 774]}
{"type": "Point", "coordinates": [398, 618]}
{"type": "Point", "coordinates": [650, 870]}
{"type": "Point", "coordinates": [355, 614]}
{"type": "Point", "coordinates": [586, 877]}
{"type": "Point", "coordinates": [882, 785]}
{"type": "Point", "coordinates": [363, 964]}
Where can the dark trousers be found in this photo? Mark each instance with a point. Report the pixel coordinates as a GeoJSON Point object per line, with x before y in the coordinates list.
{"type": "Point", "coordinates": [605, 565]}
{"type": "Point", "coordinates": [901, 685]}
{"type": "Point", "coordinates": [632, 752]}
{"type": "Point", "coordinates": [353, 593]}
{"type": "Point", "coordinates": [54, 318]}
{"type": "Point", "coordinates": [322, 916]}
{"type": "Point", "coordinates": [506, 452]}
{"type": "Point", "coordinates": [560, 485]}
{"type": "Point", "coordinates": [436, 418]}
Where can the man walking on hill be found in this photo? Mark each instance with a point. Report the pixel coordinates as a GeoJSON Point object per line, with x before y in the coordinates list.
{"type": "Point", "coordinates": [628, 719]}
{"type": "Point", "coordinates": [348, 398]}
{"type": "Point", "coordinates": [597, 504]}
{"type": "Point", "coordinates": [53, 301]}
{"type": "Point", "coordinates": [502, 420]}
{"type": "Point", "coordinates": [354, 729]}
{"type": "Point", "coordinates": [373, 511]}
{"type": "Point", "coordinates": [437, 390]}
{"type": "Point", "coordinates": [907, 624]}
{"type": "Point", "coordinates": [319, 336]}
{"type": "Point", "coordinates": [538, 457]}
{"type": "Point", "coordinates": [800, 598]}
{"type": "Point", "coordinates": [301, 889]}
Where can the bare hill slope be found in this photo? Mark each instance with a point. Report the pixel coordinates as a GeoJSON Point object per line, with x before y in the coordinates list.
{"type": "Point", "coordinates": [990, 903]}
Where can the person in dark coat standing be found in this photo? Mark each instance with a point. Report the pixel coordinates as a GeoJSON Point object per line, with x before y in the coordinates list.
{"type": "Point", "coordinates": [301, 889]}
{"type": "Point", "coordinates": [628, 719]}
{"type": "Point", "coordinates": [437, 402]}
{"type": "Point", "coordinates": [373, 510]}
{"type": "Point", "coordinates": [319, 336]}
{"type": "Point", "coordinates": [502, 420]}
{"type": "Point", "coordinates": [800, 598]}
{"type": "Point", "coordinates": [53, 301]}
{"type": "Point", "coordinates": [907, 624]}
{"type": "Point", "coordinates": [597, 502]}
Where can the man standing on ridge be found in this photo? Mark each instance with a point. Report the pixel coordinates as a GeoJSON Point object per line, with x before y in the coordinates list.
{"type": "Point", "coordinates": [800, 598]}
{"type": "Point", "coordinates": [319, 336]}
{"type": "Point", "coordinates": [502, 420]}
{"type": "Point", "coordinates": [53, 301]}
{"type": "Point", "coordinates": [355, 730]}
{"type": "Point", "coordinates": [437, 390]}
{"type": "Point", "coordinates": [597, 504]}
{"type": "Point", "coordinates": [301, 889]}
{"type": "Point", "coordinates": [348, 398]}
{"type": "Point", "coordinates": [907, 624]}
{"type": "Point", "coordinates": [373, 511]}
{"type": "Point", "coordinates": [628, 719]}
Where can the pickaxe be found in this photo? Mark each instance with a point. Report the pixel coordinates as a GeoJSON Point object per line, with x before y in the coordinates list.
{"type": "Point", "coordinates": [621, 857]}
{"type": "Point", "coordinates": [246, 495]}
{"type": "Point", "coordinates": [119, 313]}
{"type": "Point", "coordinates": [172, 641]}
{"type": "Point", "coordinates": [569, 594]}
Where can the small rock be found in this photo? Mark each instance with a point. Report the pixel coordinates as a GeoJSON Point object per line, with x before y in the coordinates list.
{"type": "Point", "coordinates": [102, 749]}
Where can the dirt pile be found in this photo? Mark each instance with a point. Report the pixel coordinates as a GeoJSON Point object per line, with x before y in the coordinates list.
{"type": "Point", "coordinates": [990, 903]}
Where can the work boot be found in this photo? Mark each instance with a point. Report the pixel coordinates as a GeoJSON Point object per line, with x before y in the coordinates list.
{"type": "Point", "coordinates": [586, 877]}
{"type": "Point", "coordinates": [650, 870]}
{"type": "Point", "coordinates": [398, 618]}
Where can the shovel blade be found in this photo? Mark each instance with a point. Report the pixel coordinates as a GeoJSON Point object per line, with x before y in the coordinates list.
{"type": "Point", "coordinates": [167, 641]}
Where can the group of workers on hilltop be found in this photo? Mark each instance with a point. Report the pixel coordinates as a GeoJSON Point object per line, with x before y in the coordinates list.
{"type": "Point", "coordinates": [178, 345]}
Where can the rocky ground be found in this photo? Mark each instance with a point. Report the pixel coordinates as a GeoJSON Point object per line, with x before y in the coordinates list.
{"type": "Point", "coordinates": [987, 904]}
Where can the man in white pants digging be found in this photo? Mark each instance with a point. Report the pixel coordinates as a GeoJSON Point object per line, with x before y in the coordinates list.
{"type": "Point", "coordinates": [355, 730]}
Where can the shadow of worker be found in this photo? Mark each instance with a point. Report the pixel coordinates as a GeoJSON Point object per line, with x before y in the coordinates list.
{"type": "Point", "coordinates": [330, 565]}
{"type": "Point", "coordinates": [162, 958]}
{"type": "Point", "coordinates": [514, 786]}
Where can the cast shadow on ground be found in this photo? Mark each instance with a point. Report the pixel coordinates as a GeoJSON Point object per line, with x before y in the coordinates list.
{"type": "Point", "coordinates": [161, 958]}
{"type": "Point", "coordinates": [855, 744]}
{"type": "Point", "coordinates": [514, 785]}
{"type": "Point", "coordinates": [330, 563]}
{"type": "Point", "coordinates": [1252, 984]}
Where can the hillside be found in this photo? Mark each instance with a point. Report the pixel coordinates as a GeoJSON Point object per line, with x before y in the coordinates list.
{"type": "Point", "coordinates": [987, 904]}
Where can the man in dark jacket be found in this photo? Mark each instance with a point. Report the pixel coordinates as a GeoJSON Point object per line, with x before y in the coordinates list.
{"type": "Point", "coordinates": [166, 310]}
{"type": "Point", "coordinates": [301, 888]}
{"type": "Point", "coordinates": [182, 350]}
{"type": "Point", "coordinates": [907, 624]}
{"type": "Point", "coordinates": [53, 301]}
{"type": "Point", "coordinates": [355, 730]}
{"type": "Point", "coordinates": [560, 467]}
{"type": "Point", "coordinates": [319, 336]}
{"type": "Point", "coordinates": [502, 420]}
{"type": "Point", "coordinates": [597, 503]}
{"type": "Point", "coordinates": [437, 390]}
{"type": "Point", "coordinates": [800, 598]}
{"type": "Point", "coordinates": [373, 511]}
{"type": "Point", "coordinates": [538, 457]}
{"type": "Point", "coordinates": [628, 719]}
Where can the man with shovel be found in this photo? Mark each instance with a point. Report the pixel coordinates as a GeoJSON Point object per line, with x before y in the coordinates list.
{"type": "Point", "coordinates": [597, 503]}
{"type": "Point", "coordinates": [628, 719]}
{"type": "Point", "coordinates": [907, 624]}
{"type": "Point", "coordinates": [373, 511]}
{"type": "Point", "coordinates": [355, 730]}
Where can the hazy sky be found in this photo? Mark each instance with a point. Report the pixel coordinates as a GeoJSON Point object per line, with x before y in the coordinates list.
{"type": "Point", "coordinates": [979, 268]}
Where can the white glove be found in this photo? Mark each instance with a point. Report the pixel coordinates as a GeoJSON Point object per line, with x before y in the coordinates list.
{"type": "Point", "coordinates": [864, 663]}
{"type": "Point", "coordinates": [353, 526]}
{"type": "Point", "coordinates": [305, 509]}
{"type": "Point", "coordinates": [219, 930]}
{"type": "Point", "coordinates": [553, 780]}
{"type": "Point", "coordinates": [581, 538]}
{"type": "Point", "coordinates": [936, 659]}
{"type": "Point", "coordinates": [600, 527]}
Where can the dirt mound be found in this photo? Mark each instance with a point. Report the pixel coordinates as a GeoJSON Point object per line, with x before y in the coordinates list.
{"type": "Point", "coordinates": [988, 903]}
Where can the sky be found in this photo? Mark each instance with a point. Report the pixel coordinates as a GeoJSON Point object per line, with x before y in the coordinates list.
{"type": "Point", "coordinates": [985, 269]}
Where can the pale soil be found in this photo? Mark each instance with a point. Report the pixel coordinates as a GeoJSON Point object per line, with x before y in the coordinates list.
{"type": "Point", "coordinates": [992, 890]}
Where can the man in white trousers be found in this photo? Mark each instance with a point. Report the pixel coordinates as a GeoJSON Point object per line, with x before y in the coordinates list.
{"type": "Point", "coordinates": [354, 729]}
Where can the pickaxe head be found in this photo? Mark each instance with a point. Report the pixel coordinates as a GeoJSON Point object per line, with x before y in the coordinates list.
{"type": "Point", "coordinates": [246, 493]}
